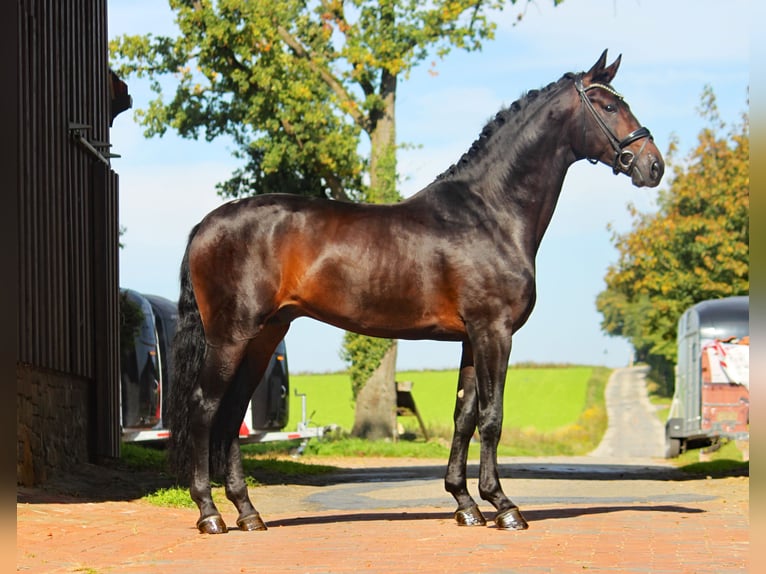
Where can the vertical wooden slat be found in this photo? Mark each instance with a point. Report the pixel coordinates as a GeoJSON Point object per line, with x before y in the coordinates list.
{"type": "Point", "coordinates": [58, 262]}
{"type": "Point", "coordinates": [105, 299]}
{"type": "Point", "coordinates": [25, 125]}
{"type": "Point", "coordinates": [51, 313]}
{"type": "Point", "coordinates": [42, 311]}
{"type": "Point", "coordinates": [73, 182]}
{"type": "Point", "coordinates": [34, 181]}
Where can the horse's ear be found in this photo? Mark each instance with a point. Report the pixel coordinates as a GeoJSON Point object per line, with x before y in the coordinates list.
{"type": "Point", "coordinates": [611, 71]}
{"type": "Point", "coordinates": [598, 67]}
{"type": "Point", "coordinates": [600, 72]}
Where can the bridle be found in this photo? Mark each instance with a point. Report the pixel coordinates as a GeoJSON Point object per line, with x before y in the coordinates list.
{"type": "Point", "coordinates": [624, 159]}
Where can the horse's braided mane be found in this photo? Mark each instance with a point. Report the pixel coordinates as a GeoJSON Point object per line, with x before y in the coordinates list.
{"type": "Point", "coordinates": [502, 117]}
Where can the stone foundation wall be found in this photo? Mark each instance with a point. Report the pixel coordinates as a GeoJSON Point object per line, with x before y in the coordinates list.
{"type": "Point", "coordinates": [52, 414]}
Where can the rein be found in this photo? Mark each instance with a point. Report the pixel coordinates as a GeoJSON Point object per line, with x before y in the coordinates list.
{"type": "Point", "coordinates": [624, 159]}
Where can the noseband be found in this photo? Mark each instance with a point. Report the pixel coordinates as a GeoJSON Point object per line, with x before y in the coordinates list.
{"type": "Point", "coordinates": [624, 159]}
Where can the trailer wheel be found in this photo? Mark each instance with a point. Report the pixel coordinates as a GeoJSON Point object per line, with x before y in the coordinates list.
{"type": "Point", "coordinates": [672, 447]}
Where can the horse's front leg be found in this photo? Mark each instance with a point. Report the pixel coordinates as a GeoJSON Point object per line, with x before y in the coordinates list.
{"type": "Point", "coordinates": [236, 491]}
{"type": "Point", "coordinates": [467, 513]}
{"type": "Point", "coordinates": [492, 350]}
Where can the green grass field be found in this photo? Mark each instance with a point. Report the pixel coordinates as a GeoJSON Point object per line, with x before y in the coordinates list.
{"type": "Point", "coordinates": [543, 399]}
{"type": "Point", "coordinates": [328, 400]}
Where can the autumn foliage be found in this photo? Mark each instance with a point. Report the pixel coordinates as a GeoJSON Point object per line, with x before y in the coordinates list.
{"type": "Point", "coordinates": [694, 247]}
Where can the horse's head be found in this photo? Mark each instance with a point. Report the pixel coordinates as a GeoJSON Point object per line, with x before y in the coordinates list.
{"type": "Point", "coordinates": [609, 132]}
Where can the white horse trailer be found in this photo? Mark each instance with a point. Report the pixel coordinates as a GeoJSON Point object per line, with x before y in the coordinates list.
{"type": "Point", "coordinates": [712, 384]}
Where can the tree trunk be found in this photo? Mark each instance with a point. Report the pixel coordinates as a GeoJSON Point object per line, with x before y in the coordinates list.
{"type": "Point", "coordinates": [375, 415]}
{"type": "Point", "coordinates": [383, 145]}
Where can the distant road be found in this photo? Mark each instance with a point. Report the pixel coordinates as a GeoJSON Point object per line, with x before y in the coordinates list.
{"type": "Point", "coordinates": [634, 430]}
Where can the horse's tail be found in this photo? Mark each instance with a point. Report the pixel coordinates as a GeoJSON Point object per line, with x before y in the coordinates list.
{"type": "Point", "coordinates": [188, 358]}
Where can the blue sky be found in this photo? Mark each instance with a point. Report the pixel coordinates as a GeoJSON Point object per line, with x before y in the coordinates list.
{"type": "Point", "coordinates": [671, 49]}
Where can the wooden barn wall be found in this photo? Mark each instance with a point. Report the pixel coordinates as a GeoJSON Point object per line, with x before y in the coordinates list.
{"type": "Point", "coordinates": [68, 370]}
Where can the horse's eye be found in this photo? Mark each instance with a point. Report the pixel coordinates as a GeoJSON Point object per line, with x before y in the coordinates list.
{"type": "Point", "coordinates": [611, 108]}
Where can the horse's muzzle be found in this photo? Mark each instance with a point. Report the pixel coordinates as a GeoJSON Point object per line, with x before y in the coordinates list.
{"type": "Point", "coordinates": [647, 170]}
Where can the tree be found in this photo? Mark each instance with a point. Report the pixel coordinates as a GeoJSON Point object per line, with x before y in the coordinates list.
{"type": "Point", "coordinates": [295, 84]}
{"type": "Point", "coordinates": [695, 247]}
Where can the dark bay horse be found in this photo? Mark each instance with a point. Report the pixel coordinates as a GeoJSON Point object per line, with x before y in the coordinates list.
{"type": "Point", "coordinates": [454, 262]}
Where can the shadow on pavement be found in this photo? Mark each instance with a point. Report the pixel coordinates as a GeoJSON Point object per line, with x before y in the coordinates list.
{"type": "Point", "coordinates": [531, 470]}
{"type": "Point", "coordinates": [94, 483]}
{"type": "Point", "coordinates": [571, 512]}
{"type": "Point", "coordinates": [531, 515]}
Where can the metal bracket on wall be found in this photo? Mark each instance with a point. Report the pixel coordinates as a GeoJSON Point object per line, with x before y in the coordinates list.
{"type": "Point", "coordinates": [78, 133]}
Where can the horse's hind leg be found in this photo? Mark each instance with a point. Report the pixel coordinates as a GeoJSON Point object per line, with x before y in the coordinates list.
{"type": "Point", "coordinates": [220, 366]}
{"type": "Point", "coordinates": [465, 417]}
{"type": "Point", "coordinates": [258, 355]}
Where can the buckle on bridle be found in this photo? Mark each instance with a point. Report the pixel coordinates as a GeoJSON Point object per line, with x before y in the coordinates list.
{"type": "Point", "coordinates": [625, 158]}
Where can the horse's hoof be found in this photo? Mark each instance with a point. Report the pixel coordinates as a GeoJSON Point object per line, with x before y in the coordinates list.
{"type": "Point", "coordinates": [511, 519]}
{"type": "Point", "coordinates": [471, 516]}
{"type": "Point", "coordinates": [213, 524]}
{"type": "Point", "coordinates": [251, 522]}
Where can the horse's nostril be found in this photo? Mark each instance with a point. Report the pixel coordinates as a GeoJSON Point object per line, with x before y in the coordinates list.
{"type": "Point", "coordinates": [656, 170]}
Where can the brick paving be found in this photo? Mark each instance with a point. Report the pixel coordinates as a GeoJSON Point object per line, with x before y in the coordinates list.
{"type": "Point", "coordinates": [675, 526]}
